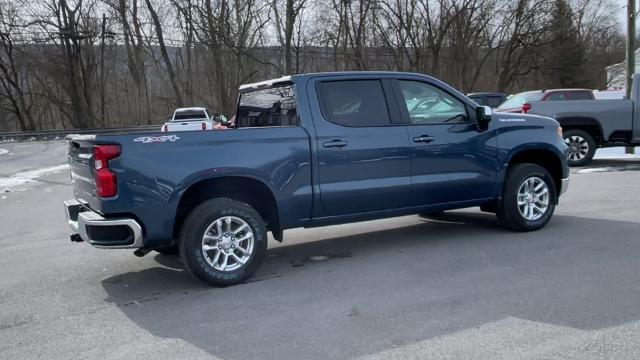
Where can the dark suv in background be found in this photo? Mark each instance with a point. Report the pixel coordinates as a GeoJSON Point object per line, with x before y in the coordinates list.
{"type": "Point", "coordinates": [493, 100]}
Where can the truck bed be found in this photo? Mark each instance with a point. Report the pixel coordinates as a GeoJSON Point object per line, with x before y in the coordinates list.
{"type": "Point", "coordinates": [154, 169]}
{"type": "Point", "coordinates": [612, 115]}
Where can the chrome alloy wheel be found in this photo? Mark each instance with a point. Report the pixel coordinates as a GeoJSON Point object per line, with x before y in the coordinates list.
{"type": "Point", "coordinates": [578, 147]}
{"type": "Point", "coordinates": [533, 198]}
{"type": "Point", "coordinates": [227, 243]}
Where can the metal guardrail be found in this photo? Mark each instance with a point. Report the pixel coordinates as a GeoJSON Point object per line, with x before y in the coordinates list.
{"type": "Point", "coordinates": [18, 136]}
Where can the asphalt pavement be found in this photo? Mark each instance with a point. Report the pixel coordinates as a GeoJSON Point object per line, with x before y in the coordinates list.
{"type": "Point", "coordinates": [454, 287]}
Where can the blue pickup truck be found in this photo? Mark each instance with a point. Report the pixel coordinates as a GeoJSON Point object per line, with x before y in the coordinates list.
{"type": "Point", "coordinates": [306, 151]}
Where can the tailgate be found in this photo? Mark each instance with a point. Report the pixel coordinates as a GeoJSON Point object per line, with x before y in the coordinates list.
{"type": "Point", "coordinates": [187, 126]}
{"type": "Point", "coordinates": [81, 165]}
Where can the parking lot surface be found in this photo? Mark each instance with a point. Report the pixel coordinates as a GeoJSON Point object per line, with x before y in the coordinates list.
{"type": "Point", "coordinates": [454, 287]}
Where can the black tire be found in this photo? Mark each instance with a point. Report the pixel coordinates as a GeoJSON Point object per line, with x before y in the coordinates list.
{"type": "Point", "coordinates": [169, 250]}
{"type": "Point", "coordinates": [193, 230]}
{"type": "Point", "coordinates": [576, 138]}
{"type": "Point", "coordinates": [509, 214]}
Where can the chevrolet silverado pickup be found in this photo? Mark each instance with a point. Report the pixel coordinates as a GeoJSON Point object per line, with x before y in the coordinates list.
{"type": "Point", "coordinates": [590, 124]}
{"type": "Point", "coordinates": [306, 151]}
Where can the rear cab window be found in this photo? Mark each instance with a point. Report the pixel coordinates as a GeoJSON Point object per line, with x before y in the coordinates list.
{"type": "Point", "coordinates": [273, 106]}
{"type": "Point", "coordinates": [353, 103]}
{"type": "Point", "coordinates": [580, 95]}
{"type": "Point", "coordinates": [193, 115]}
{"type": "Point", "coordinates": [555, 96]}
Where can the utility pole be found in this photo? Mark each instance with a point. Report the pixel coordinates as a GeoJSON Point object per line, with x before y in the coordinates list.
{"type": "Point", "coordinates": [631, 51]}
{"type": "Point", "coordinates": [102, 80]}
{"type": "Point", "coordinates": [631, 44]}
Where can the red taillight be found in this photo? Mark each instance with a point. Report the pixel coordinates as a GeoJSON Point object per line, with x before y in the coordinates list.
{"type": "Point", "coordinates": [106, 182]}
{"type": "Point", "coordinates": [525, 108]}
{"type": "Point", "coordinates": [204, 126]}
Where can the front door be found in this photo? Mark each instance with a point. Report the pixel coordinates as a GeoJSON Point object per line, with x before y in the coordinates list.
{"type": "Point", "coordinates": [452, 160]}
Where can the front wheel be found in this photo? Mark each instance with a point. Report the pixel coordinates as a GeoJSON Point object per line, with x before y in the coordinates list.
{"type": "Point", "coordinates": [529, 198]}
{"type": "Point", "coordinates": [223, 241]}
{"type": "Point", "coordinates": [581, 145]}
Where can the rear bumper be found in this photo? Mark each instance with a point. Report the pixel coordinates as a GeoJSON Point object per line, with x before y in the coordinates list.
{"type": "Point", "coordinates": [120, 233]}
{"type": "Point", "coordinates": [564, 185]}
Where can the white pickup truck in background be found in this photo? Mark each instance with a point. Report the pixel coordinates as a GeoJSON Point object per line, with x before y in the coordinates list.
{"type": "Point", "coordinates": [189, 119]}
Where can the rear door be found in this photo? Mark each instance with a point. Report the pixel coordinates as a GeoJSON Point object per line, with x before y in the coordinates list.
{"type": "Point", "coordinates": [363, 160]}
{"type": "Point", "coordinates": [451, 159]}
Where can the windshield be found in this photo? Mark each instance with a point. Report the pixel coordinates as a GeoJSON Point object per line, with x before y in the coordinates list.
{"type": "Point", "coordinates": [518, 99]}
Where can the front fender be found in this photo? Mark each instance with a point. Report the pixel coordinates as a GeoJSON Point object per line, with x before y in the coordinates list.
{"type": "Point", "coordinates": [511, 143]}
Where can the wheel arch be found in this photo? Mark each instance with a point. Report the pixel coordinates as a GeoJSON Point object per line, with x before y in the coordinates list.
{"type": "Point", "coordinates": [543, 157]}
{"type": "Point", "coordinates": [588, 124]}
{"type": "Point", "coordinates": [242, 188]}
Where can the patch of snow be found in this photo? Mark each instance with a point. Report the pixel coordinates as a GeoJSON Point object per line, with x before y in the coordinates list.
{"type": "Point", "coordinates": [620, 156]}
{"type": "Point", "coordinates": [29, 176]}
{"type": "Point", "coordinates": [594, 170]}
{"type": "Point", "coordinates": [616, 153]}
{"type": "Point", "coordinates": [3, 151]}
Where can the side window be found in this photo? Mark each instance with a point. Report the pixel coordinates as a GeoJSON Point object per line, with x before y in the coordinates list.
{"type": "Point", "coordinates": [353, 103]}
{"type": "Point", "coordinates": [480, 100]}
{"type": "Point", "coordinates": [579, 95]}
{"type": "Point", "coordinates": [494, 101]}
{"type": "Point", "coordinates": [274, 106]}
{"type": "Point", "coordinates": [427, 104]}
{"type": "Point", "coordinates": [556, 96]}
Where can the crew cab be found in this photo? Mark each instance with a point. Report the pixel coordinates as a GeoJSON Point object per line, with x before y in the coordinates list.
{"type": "Point", "coordinates": [591, 124]}
{"type": "Point", "coordinates": [519, 103]}
{"type": "Point", "coordinates": [189, 119]}
{"type": "Point", "coordinates": [306, 151]}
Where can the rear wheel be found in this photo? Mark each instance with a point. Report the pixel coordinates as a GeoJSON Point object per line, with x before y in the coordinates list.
{"type": "Point", "coordinates": [529, 198]}
{"type": "Point", "coordinates": [223, 241]}
{"type": "Point", "coordinates": [581, 145]}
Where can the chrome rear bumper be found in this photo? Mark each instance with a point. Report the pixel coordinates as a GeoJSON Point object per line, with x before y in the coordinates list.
{"type": "Point", "coordinates": [121, 233]}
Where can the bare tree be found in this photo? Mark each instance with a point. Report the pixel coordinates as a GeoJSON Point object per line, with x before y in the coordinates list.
{"type": "Point", "coordinates": [165, 54]}
{"type": "Point", "coordinates": [13, 76]}
{"type": "Point", "coordinates": [285, 26]}
{"type": "Point", "coordinates": [128, 14]}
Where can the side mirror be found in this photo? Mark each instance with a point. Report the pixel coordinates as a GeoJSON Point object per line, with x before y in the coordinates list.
{"type": "Point", "coordinates": [483, 114]}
